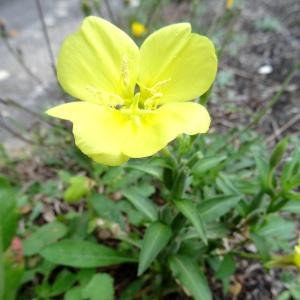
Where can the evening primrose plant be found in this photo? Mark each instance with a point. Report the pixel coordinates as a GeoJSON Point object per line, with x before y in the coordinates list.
{"type": "Point", "coordinates": [180, 214]}
{"type": "Point", "coordinates": [133, 101]}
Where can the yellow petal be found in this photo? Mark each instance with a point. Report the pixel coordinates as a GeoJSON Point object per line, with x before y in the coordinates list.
{"type": "Point", "coordinates": [188, 117]}
{"type": "Point", "coordinates": [96, 130]}
{"type": "Point", "coordinates": [111, 136]}
{"type": "Point", "coordinates": [153, 131]}
{"type": "Point", "coordinates": [98, 62]}
{"type": "Point", "coordinates": [110, 159]}
{"type": "Point", "coordinates": [182, 64]}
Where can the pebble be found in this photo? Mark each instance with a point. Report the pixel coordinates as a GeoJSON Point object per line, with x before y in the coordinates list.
{"type": "Point", "coordinates": [265, 69]}
{"type": "Point", "coordinates": [4, 74]}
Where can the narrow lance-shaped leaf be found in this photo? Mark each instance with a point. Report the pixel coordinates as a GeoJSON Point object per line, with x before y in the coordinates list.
{"type": "Point", "coordinates": [156, 238]}
{"type": "Point", "coordinates": [216, 207]}
{"type": "Point", "coordinates": [190, 276]}
{"type": "Point", "coordinates": [262, 246]}
{"type": "Point", "coordinates": [44, 236]}
{"type": "Point", "coordinates": [206, 164]}
{"type": "Point", "coordinates": [189, 210]}
{"type": "Point", "coordinates": [73, 294]}
{"type": "Point", "coordinates": [141, 203]}
{"type": "Point", "coordinates": [8, 213]}
{"type": "Point", "coordinates": [101, 287]}
{"type": "Point", "coordinates": [83, 254]}
{"type": "Point", "coordinates": [63, 282]}
{"type": "Point", "coordinates": [264, 170]}
{"type": "Point", "coordinates": [278, 153]}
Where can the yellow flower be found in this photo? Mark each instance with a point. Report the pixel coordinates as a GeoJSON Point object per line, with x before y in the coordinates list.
{"type": "Point", "coordinates": [138, 29]}
{"type": "Point", "coordinates": [134, 100]}
{"type": "Point", "coordinates": [229, 3]}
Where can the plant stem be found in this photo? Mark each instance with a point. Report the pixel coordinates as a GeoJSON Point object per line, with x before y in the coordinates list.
{"type": "Point", "coordinates": [21, 61]}
{"type": "Point", "coordinates": [10, 102]}
{"type": "Point", "coordinates": [170, 155]}
{"type": "Point", "coordinates": [110, 12]}
{"type": "Point", "coordinates": [16, 134]}
{"type": "Point", "coordinates": [152, 13]}
{"type": "Point", "coordinates": [46, 35]}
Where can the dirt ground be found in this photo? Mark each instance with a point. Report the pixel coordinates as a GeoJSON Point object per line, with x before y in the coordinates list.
{"type": "Point", "coordinates": [263, 49]}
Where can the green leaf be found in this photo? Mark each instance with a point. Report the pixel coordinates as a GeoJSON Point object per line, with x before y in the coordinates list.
{"type": "Point", "coordinates": [132, 289]}
{"type": "Point", "coordinates": [134, 216]}
{"type": "Point", "coordinates": [63, 282]}
{"type": "Point", "coordinates": [107, 209]}
{"type": "Point", "coordinates": [141, 203]}
{"type": "Point", "coordinates": [155, 239]}
{"type": "Point", "coordinates": [190, 276]}
{"type": "Point", "coordinates": [146, 168]}
{"type": "Point", "coordinates": [285, 295]}
{"type": "Point", "coordinates": [101, 287]}
{"type": "Point", "coordinates": [43, 236]}
{"type": "Point", "coordinates": [73, 294]}
{"type": "Point", "coordinates": [214, 208]}
{"type": "Point", "coordinates": [192, 248]}
{"type": "Point", "coordinates": [216, 230]}
{"type": "Point", "coordinates": [79, 186]}
{"type": "Point", "coordinates": [85, 275]}
{"type": "Point", "coordinates": [290, 170]}
{"type": "Point", "coordinates": [276, 227]}
{"type": "Point", "coordinates": [225, 184]}
{"type": "Point", "coordinates": [295, 291]}
{"type": "Point", "coordinates": [12, 275]}
{"type": "Point", "coordinates": [292, 195]}
{"type": "Point", "coordinates": [261, 245]}
{"type": "Point", "coordinates": [226, 268]}
{"type": "Point", "coordinates": [206, 164]}
{"type": "Point", "coordinates": [2, 274]}
{"type": "Point", "coordinates": [263, 170]}
{"type": "Point", "coordinates": [277, 153]}
{"type": "Point", "coordinates": [293, 206]}
{"type": "Point", "coordinates": [83, 254]}
{"type": "Point", "coordinates": [8, 213]}
{"type": "Point", "coordinates": [189, 210]}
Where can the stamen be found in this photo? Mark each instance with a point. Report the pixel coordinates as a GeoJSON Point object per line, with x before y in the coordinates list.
{"type": "Point", "coordinates": [135, 103]}
{"type": "Point", "coordinates": [155, 94]}
{"type": "Point", "coordinates": [125, 71]}
{"type": "Point", "coordinates": [159, 85]}
{"type": "Point", "coordinates": [152, 102]}
{"type": "Point", "coordinates": [105, 98]}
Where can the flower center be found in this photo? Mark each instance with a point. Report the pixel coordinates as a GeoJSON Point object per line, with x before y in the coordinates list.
{"type": "Point", "coordinates": [143, 101]}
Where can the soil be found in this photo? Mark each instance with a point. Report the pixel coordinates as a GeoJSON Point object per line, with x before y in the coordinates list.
{"type": "Point", "coordinates": [265, 34]}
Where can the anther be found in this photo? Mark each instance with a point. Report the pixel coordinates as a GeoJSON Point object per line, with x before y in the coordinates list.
{"type": "Point", "coordinates": [125, 71]}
